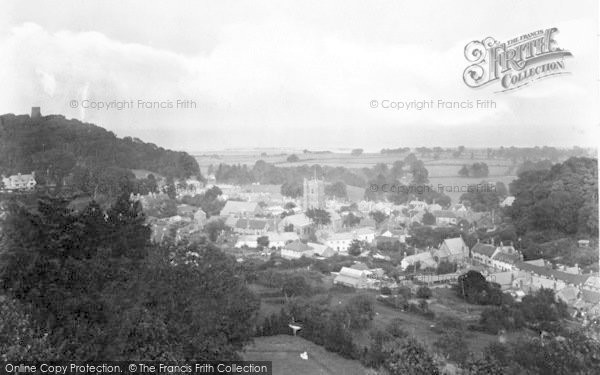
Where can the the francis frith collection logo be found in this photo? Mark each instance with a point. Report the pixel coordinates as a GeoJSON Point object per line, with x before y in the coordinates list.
{"type": "Point", "coordinates": [515, 63]}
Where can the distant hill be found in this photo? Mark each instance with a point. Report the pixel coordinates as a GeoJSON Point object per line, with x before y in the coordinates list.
{"type": "Point", "coordinates": [58, 149]}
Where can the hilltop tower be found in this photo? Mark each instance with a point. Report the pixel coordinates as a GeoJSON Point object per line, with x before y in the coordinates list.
{"type": "Point", "coordinates": [313, 194]}
{"type": "Point", "coordinates": [36, 112]}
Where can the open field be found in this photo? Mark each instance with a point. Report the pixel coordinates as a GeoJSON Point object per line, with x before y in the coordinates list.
{"type": "Point", "coordinates": [441, 167]}
{"type": "Point", "coordinates": [284, 351]}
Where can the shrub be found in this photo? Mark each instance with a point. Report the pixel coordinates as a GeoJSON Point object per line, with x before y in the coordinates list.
{"type": "Point", "coordinates": [423, 292]}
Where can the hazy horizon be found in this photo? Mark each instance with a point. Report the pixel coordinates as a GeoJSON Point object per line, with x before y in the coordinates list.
{"type": "Point", "coordinates": [297, 75]}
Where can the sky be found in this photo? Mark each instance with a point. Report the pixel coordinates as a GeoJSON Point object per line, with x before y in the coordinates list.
{"type": "Point", "coordinates": [297, 74]}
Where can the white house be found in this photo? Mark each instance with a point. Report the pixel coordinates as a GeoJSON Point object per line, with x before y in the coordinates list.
{"type": "Point", "coordinates": [19, 181]}
{"type": "Point", "coordinates": [247, 241]}
{"type": "Point", "coordinates": [279, 240]}
{"type": "Point", "coordinates": [445, 217]}
{"type": "Point", "coordinates": [425, 259]}
{"type": "Point", "coordinates": [365, 234]}
{"type": "Point", "coordinates": [339, 242]}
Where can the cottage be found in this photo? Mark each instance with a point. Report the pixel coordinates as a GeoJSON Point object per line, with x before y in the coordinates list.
{"type": "Point", "coordinates": [240, 209]}
{"type": "Point", "coordinates": [296, 250]}
{"type": "Point", "coordinates": [253, 226]}
{"type": "Point", "coordinates": [452, 250]}
{"type": "Point", "coordinates": [279, 240]}
{"type": "Point", "coordinates": [352, 278]}
{"type": "Point", "coordinates": [339, 242]}
{"type": "Point", "coordinates": [247, 241]}
{"type": "Point", "coordinates": [299, 223]}
{"type": "Point", "coordinates": [483, 253]}
{"type": "Point", "coordinates": [424, 259]}
{"type": "Point", "coordinates": [19, 181]}
{"type": "Point", "coordinates": [365, 234]}
{"type": "Point", "coordinates": [444, 217]}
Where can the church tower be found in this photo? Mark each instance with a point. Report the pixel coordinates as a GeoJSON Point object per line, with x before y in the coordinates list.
{"type": "Point", "coordinates": [313, 194]}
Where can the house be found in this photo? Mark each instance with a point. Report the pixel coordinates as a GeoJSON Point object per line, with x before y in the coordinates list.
{"type": "Point", "coordinates": [444, 217]}
{"type": "Point", "coordinates": [418, 205]}
{"type": "Point", "coordinates": [339, 242]}
{"type": "Point", "coordinates": [568, 294]}
{"type": "Point", "coordinates": [459, 207]}
{"type": "Point", "coordinates": [434, 207]}
{"type": "Point", "coordinates": [296, 250]}
{"type": "Point", "coordinates": [19, 181]}
{"type": "Point", "coordinates": [483, 253]}
{"type": "Point", "coordinates": [357, 278]}
{"type": "Point", "coordinates": [507, 202]}
{"type": "Point", "coordinates": [321, 250]}
{"type": "Point", "coordinates": [240, 209]}
{"type": "Point", "coordinates": [505, 278]}
{"type": "Point", "coordinates": [506, 261]}
{"type": "Point", "coordinates": [533, 277]}
{"type": "Point", "coordinates": [299, 223]}
{"type": "Point", "coordinates": [186, 210]}
{"type": "Point", "coordinates": [452, 250]}
{"type": "Point", "coordinates": [200, 218]}
{"type": "Point", "coordinates": [247, 241]}
{"type": "Point", "coordinates": [253, 226]}
{"type": "Point", "coordinates": [424, 259]}
{"type": "Point", "coordinates": [365, 234]}
{"type": "Point", "coordinates": [279, 240]}
{"type": "Point", "coordinates": [592, 283]}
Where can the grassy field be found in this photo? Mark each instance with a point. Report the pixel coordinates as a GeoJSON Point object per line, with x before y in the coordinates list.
{"type": "Point", "coordinates": [284, 351]}
{"type": "Point", "coordinates": [437, 168]}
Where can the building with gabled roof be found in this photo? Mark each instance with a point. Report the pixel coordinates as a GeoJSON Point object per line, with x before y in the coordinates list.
{"type": "Point", "coordinates": [296, 250]}
{"type": "Point", "coordinates": [483, 253]}
{"type": "Point", "coordinates": [240, 209]}
{"type": "Point", "coordinates": [452, 250]}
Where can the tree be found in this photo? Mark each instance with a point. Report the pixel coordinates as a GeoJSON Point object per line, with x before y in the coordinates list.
{"type": "Point", "coordinates": [337, 190]}
{"type": "Point", "coordinates": [355, 248]}
{"type": "Point", "coordinates": [356, 152]}
{"type": "Point", "coordinates": [360, 311]}
{"type": "Point", "coordinates": [420, 175]}
{"type": "Point", "coordinates": [424, 292]}
{"type": "Point", "coordinates": [318, 216]}
{"type": "Point", "coordinates": [262, 241]}
{"type": "Point", "coordinates": [350, 220]}
{"type": "Point", "coordinates": [295, 285]}
{"type": "Point", "coordinates": [464, 171]}
{"type": "Point", "coordinates": [292, 189]}
{"type": "Point", "coordinates": [428, 219]}
{"type": "Point", "coordinates": [293, 158]}
{"type": "Point", "coordinates": [409, 357]}
{"type": "Point", "coordinates": [214, 228]}
{"type": "Point", "coordinates": [378, 216]}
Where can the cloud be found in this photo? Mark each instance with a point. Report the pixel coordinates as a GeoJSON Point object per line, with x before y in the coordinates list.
{"type": "Point", "coordinates": [272, 81]}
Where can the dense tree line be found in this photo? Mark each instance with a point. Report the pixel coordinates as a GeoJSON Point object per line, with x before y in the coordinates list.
{"type": "Point", "coordinates": [561, 201]}
{"type": "Point", "coordinates": [55, 148]}
{"type": "Point", "coordinates": [474, 170]}
{"type": "Point", "coordinates": [88, 286]}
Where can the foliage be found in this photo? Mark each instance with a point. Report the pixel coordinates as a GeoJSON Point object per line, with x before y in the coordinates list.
{"type": "Point", "coordinates": [318, 216]}
{"type": "Point", "coordinates": [408, 357]}
{"type": "Point", "coordinates": [474, 170]}
{"type": "Point", "coordinates": [424, 292]}
{"type": "Point", "coordinates": [20, 339]}
{"type": "Point", "coordinates": [562, 200]}
{"type": "Point", "coordinates": [93, 283]}
{"type": "Point", "coordinates": [337, 190]}
{"type": "Point", "coordinates": [473, 287]}
{"type": "Point", "coordinates": [293, 158]}
{"type": "Point", "coordinates": [55, 148]}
